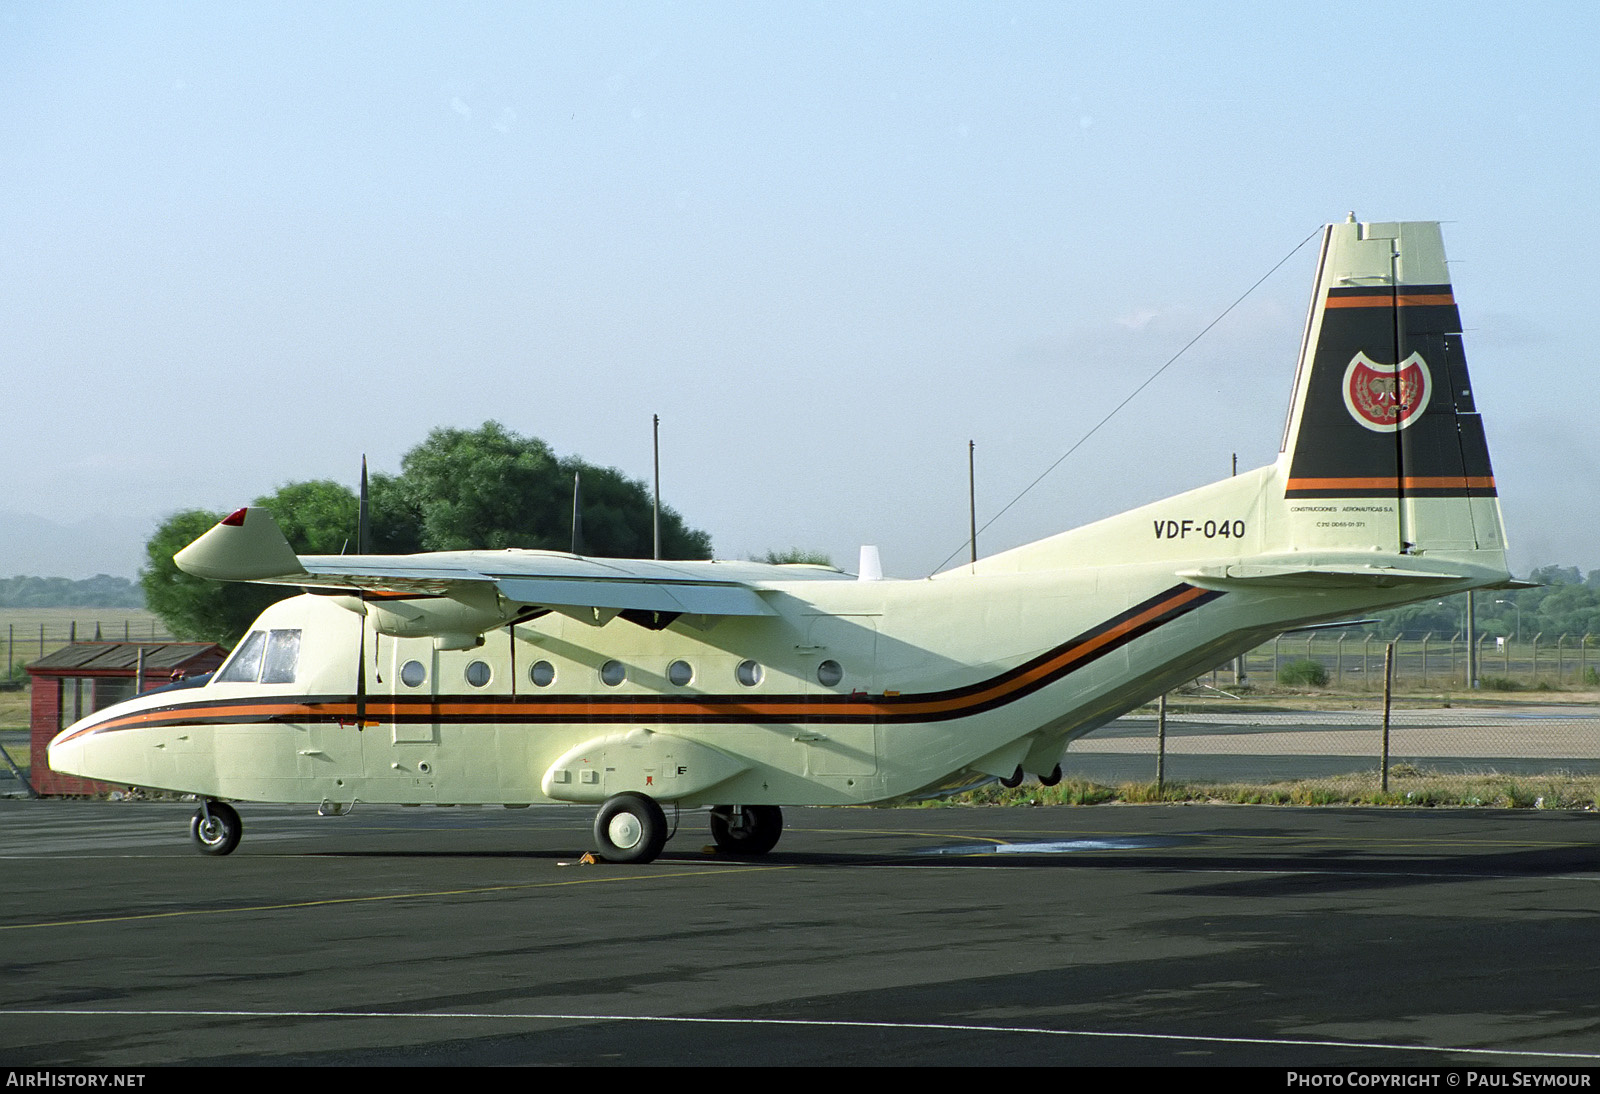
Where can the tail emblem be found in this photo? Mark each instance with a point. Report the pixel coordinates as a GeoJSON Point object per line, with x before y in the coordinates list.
{"type": "Point", "coordinates": [1385, 398]}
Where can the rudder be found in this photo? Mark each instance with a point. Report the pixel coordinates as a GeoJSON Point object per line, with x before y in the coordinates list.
{"type": "Point", "coordinates": [1384, 446]}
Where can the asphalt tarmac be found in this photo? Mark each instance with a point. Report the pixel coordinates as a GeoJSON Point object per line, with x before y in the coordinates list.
{"type": "Point", "coordinates": [1111, 935]}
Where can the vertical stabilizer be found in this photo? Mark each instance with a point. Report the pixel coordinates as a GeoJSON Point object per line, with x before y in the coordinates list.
{"type": "Point", "coordinates": [1384, 447]}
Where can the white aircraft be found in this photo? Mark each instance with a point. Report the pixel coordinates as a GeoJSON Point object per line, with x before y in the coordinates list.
{"type": "Point", "coordinates": [514, 677]}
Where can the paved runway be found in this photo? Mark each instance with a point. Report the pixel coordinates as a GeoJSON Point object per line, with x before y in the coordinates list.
{"type": "Point", "coordinates": [1107, 935]}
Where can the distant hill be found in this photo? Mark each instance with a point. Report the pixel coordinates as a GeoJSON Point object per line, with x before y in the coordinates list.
{"type": "Point", "coordinates": [99, 591]}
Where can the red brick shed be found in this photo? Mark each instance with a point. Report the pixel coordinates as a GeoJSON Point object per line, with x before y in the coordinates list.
{"type": "Point", "coordinates": [84, 677]}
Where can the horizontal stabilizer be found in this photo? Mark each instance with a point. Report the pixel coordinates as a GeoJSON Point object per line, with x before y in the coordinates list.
{"type": "Point", "coordinates": [1289, 575]}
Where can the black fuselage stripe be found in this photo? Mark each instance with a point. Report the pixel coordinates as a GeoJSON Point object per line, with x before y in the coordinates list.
{"type": "Point", "coordinates": [1072, 655]}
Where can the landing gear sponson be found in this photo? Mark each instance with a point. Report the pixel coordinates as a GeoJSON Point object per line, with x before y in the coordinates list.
{"type": "Point", "coordinates": [632, 828]}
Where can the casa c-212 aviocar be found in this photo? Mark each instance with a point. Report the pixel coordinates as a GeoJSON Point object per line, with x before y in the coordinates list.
{"type": "Point", "coordinates": [516, 677]}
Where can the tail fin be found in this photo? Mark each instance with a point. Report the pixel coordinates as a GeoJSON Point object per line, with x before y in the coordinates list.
{"type": "Point", "coordinates": [1384, 447]}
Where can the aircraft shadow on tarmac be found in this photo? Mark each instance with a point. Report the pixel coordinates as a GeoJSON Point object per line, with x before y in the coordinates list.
{"type": "Point", "coordinates": [1254, 875]}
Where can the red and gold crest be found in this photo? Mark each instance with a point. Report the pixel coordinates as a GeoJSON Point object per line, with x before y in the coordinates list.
{"type": "Point", "coordinates": [1387, 397]}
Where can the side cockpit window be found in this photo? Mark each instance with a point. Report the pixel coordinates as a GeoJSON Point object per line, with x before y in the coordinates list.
{"type": "Point", "coordinates": [283, 654]}
{"type": "Point", "coordinates": [266, 656]}
{"type": "Point", "coordinates": [245, 664]}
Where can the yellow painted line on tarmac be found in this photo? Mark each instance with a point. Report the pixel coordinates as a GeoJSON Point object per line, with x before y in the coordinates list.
{"type": "Point", "coordinates": [330, 901]}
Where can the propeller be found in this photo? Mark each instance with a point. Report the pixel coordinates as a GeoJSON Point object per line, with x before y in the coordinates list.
{"type": "Point", "coordinates": [363, 546]}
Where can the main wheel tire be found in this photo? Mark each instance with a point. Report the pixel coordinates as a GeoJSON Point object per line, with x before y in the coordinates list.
{"type": "Point", "coordinates": [219, 834]}
{"type": "Point", "coordinates": [1015, 780]}
{"type": "Point", "coordinates": [630, 828]}
{"type": "Point", "coordinates": [1053, 777]}
{"type": "Point", "coordinates": [759, 833]}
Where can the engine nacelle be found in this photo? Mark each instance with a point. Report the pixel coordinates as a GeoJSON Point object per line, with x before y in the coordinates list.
{"type": "Point", "coordinates": [454, 622]}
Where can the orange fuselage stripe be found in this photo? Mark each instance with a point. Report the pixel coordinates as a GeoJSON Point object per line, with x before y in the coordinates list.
{"type": "Point", "coordinates": [1002, 687]}
{"type": "Point", "coordinates": [1386, 300]}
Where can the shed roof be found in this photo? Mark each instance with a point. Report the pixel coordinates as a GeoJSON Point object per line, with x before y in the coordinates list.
{"type": "Point", "coordinates": [123, 657]}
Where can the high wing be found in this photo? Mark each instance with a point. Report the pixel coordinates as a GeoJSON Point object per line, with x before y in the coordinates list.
{"type": "Point", "coordinates": [249, 546]}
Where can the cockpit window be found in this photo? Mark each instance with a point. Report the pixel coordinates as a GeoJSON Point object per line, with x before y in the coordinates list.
{"type": "Point", "coordinates": [283, 654]}
{"type": "Point", "coordinates": [268, 656]}
{"type": "Point", "coordinates": [245, 665]}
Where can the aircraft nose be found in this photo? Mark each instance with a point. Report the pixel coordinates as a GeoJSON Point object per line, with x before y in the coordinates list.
{"type": "Point", "coordinates": [64, 753]}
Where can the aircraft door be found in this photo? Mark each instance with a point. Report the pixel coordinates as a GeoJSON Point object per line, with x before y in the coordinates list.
{"type": "Point", "coordinates": [328, 750]}
{"type": "Point", "coordinates": [842, 652]}
{"type": "Point", "coordinates": [403, 744]}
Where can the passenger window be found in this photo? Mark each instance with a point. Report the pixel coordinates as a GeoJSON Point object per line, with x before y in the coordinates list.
{"type": "Point", "coordinates": [245, 665]}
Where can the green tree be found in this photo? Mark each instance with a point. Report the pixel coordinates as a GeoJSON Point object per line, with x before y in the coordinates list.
{"type": "Point", "coordinates": [489, 488]}
{"type": "Point", "coordinates": [192, 607]}
{"type": "Point", "coordinates": [457, 490]}
{"type": "Point", "coordinates": [316, 517]}
{"type": "Point", "coordinates": [796, 555]}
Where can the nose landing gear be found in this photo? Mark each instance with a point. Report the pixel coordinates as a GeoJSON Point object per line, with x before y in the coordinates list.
{"type": "Point", "coordinates": [215, 828]}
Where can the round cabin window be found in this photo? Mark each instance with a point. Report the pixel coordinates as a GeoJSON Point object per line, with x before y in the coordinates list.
{"type": "Point", "coordinates": [613, 673]}
{"type": "Point", "coordinates": [748, 673]}
{"type": "Point", "coordinates": [478, 673]}
{"type": "Point", "coordinates": [412, 674]}
{"type": "Point", "coordinates": [829, 673]}
{"type": "Point", "coordinates": [680, 673]}
{"type": "Point", "coordinates": [543, 674]}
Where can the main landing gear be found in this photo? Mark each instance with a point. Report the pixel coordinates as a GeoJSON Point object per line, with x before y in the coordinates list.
{"type": "Point", "coordinates": [632, 828]}
{"type": "Point", "coordinates": [746, 829]}
{"type": "Point", "coordinates": [1049, 778]}
{"type": "Point", "coordinates": [216, 828]}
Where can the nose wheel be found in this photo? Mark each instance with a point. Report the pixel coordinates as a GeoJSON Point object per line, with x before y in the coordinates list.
{"type": "Point", "coordinates": [215, 828]}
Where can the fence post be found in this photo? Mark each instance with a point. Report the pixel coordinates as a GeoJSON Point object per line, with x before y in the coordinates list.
{"type": "Point", "coordinates": [1425, 658]}
{"type": "Point", "coordinates": [1161, 743]}
{"type": "Point", "coordinates": [1276, 668]}
{"type": "Point", "coordinates": [1338, 664]}
{"type": "Point", "coordinates": [1388, 681]}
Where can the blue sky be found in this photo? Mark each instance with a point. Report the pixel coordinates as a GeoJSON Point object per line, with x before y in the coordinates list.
{"type": "Point", "coordinates": [242, 244]}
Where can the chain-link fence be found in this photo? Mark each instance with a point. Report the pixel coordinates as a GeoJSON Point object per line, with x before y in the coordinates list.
{"type": "Point", "coordinates": [25, 638]}
{"type": "Point", "coordinates": [1353, 661]}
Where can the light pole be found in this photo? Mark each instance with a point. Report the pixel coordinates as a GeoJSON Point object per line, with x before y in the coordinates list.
{"type": "Point", "coordinates": [1516, 608]}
